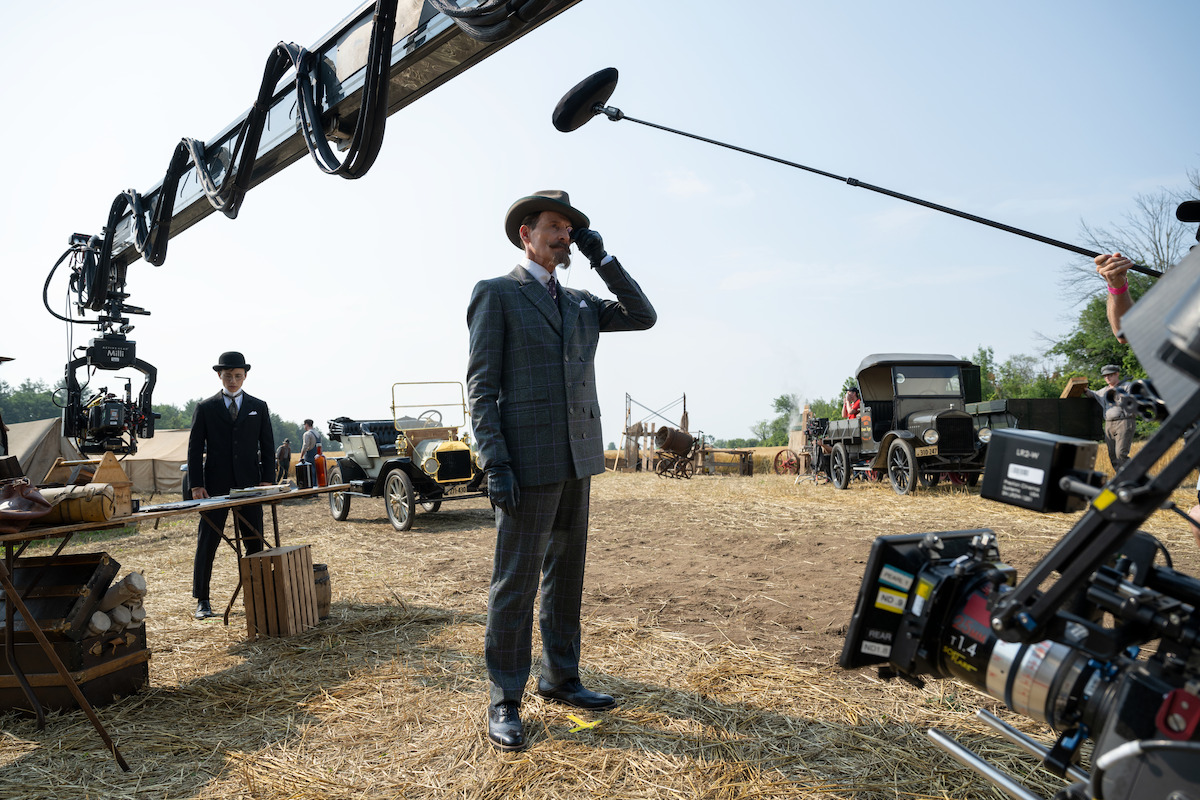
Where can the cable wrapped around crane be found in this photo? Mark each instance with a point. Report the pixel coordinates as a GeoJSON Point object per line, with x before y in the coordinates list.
{"type": "Point", "coordinates": [489, 21]}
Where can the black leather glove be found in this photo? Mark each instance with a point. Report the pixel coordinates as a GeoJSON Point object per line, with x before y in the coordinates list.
{"type": "Point", "coordinates": [502, 489]}
{"type": "Point", "coordinates": [591, 244]}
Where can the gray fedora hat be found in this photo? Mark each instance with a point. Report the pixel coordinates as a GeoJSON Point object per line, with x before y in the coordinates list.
{"type": "Point", "coordinates": [231, 359]}
{"type": "Point", "coordinates": [549, 200]}
{"type": "Point", "coordinates": [1109, 369]}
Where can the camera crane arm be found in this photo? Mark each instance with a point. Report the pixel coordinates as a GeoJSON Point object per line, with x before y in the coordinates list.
{"type": "Point", "coordinates": [377, 61]}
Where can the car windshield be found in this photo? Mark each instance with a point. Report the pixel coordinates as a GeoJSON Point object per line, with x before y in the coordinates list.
{"type": "Point", "coordinates": [933, 381]}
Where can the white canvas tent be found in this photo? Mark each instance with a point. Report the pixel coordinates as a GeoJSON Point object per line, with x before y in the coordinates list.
{"type": "Point", "coordinates": [37, 444]}
{"type": "Point", "coordinates": [154, 468]}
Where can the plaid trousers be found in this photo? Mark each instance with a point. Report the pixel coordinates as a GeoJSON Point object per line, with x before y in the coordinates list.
{"type": "Point", "coordinates": [546, 539]}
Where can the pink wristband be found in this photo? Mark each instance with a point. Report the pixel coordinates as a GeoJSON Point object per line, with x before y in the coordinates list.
{"type": "Point", "coordinates": [1121, 290]}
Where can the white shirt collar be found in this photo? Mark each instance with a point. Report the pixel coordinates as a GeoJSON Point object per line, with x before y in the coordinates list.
{"type": "Point", "coordinates": [541, 273]}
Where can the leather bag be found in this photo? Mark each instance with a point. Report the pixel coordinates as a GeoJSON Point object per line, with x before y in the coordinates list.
{"type": "Point", "coordinates": [20, 504]}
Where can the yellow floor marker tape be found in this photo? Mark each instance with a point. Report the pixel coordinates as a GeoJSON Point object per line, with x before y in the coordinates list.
{"type": "Point", "coordinates": [581, 725]}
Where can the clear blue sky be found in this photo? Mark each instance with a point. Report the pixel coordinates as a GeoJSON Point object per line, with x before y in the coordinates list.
{"type": "Point", "coordinates": [767, 280]}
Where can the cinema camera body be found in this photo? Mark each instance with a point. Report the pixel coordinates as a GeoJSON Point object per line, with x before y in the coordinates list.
{"type": "Point", "coordinates": [1099, 641]}
{"type": "Point", "coordinates": [98, 420]}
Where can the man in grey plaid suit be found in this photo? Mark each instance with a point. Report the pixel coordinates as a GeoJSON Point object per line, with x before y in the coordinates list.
{"type": "Point", "coordinates": [536, 421]}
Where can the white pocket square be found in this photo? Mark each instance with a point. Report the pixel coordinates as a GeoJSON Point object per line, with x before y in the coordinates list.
{"type": "Point", "coordinates": [583, 303]}
{"type": "Point", "coordinates": [252, 413]}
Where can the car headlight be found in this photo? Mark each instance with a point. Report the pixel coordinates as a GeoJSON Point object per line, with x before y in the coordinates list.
{"type": "Point", "coordinates": [985, 435]}
{"type": "Point", "coordinates": [930, 436]}
{"type": "Point", "coordinates": [430, 465]}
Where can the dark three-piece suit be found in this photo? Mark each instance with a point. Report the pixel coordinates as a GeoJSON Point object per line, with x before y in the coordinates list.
{"type": "Point", "coordinates": [532, 391]}
{"type": "Point", "coordinates": [224, 454]}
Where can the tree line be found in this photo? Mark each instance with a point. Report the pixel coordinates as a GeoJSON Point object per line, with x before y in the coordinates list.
{"type": "Point", "coordinates": [33, 400]}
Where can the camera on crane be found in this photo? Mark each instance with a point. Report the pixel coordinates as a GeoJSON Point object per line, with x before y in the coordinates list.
{"type": "Point", "coordinates": [100, 421]}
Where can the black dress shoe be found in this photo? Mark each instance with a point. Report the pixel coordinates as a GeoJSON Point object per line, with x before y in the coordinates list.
{"type": "Point", "coordinates": [203, 611]}
{"type": "Point", "coordinates": [573, 694]}
{"type": "Point", "coordinates": [505, 731]}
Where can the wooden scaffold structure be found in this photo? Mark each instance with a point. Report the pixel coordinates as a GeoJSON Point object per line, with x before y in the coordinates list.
{"type": "Point", "coordinates": [636, 451]}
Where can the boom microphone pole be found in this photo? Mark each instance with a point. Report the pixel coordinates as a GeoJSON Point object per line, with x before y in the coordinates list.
{"type": "Point", "coordinates": [587, 99]}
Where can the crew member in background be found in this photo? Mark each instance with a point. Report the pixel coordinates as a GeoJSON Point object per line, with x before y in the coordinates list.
{"type": "Point", "coordinates": [1119, 424]}
{"type": "Point", "coordinates": [231, 446]}
{"type": "Point", "coordinates": [308, 443]}
{"type": "Point", "coordinates": [536, 419]}
{"type": "Point", "coordinates": [851, 404]}
{"type": "Point", "coordinates": [283, 459]}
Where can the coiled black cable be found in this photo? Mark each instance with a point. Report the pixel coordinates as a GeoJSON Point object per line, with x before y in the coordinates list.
{"type": "Point", "coordinates": [491, 20]}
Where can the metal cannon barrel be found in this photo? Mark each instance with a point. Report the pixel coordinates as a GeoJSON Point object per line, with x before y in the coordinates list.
{"type": "Point", "coordinates": [673, 441]}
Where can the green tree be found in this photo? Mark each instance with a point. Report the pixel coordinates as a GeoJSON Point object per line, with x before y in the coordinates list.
{"type": "Point", "coordinates": [774, 432]}
{"type": "Point", "coordinates": [985, 359]}
{"type": "Point", "coordinates": [1092, 344]}
{"type": "Point", "coordinates": [32, 400]}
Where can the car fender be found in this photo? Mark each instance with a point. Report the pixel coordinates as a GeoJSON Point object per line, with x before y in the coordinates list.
{"type": "Point", "coordinates": [880, 460]}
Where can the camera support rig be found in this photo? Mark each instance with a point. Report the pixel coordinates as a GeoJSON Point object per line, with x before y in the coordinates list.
{"type": "Point", "coordinates": [1097, 641]}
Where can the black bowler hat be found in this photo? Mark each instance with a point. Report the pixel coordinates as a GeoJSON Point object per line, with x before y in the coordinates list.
{"type": "Point", "coordinates": [549, 200]}
{"type": "Point", "coordinates": [231, 360]}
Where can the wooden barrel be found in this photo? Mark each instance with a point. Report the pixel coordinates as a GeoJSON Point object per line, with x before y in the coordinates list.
{"type": "Point", "coordinates": [324, 593]}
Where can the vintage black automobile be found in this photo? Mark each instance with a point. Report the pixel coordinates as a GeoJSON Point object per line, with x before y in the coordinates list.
{"type": "Point", "coordinates": [914, 425]}
{"type": "Point", "coordinates": [407, 460]}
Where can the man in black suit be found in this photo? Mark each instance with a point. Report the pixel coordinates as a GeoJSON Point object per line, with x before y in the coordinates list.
{"type": "Point", "coordinates": [536, 421]}
{"type": "Point", "coordinates": [231, 446]}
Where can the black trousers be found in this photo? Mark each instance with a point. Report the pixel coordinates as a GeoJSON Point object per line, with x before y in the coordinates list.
{"type": "Point", "coordinates": [208, 539]}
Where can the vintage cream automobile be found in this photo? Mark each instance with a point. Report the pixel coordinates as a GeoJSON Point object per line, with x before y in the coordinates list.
{"type": "Point", "coordinates": [408, 460]}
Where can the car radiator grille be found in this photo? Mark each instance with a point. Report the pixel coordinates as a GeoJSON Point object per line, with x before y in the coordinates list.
{"type": "Point", "coordinates": [454, 465]}
{"type": "Point", "coordinates": [956, 435]}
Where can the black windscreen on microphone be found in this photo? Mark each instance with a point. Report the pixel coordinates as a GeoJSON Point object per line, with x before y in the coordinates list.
{"type": "Point", "coordinates": [578, 105]}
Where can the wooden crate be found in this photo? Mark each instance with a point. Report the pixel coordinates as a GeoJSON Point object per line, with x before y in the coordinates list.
{"type": "Point", "coordinates": [280, 595]}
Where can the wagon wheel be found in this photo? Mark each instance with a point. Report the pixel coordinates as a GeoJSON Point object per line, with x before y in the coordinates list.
{"type": "Point", "coordinates": [431, 506]}
{"type": "Point", "coordinates": [930, 479]}
{"type": "Point", "coordinates": [839, 466]}
{"type": "Point", "coordinates": [786, 462]}
{"type": "Point", "coordinates": [686, 469]}
{"type": "Point", "coordinates": [902, 466]}
{"type": "Point", "coordinates": [399, 500]}
{"type": "Point", "coordinates": [339, 502]}
{"type": "Point", "coordinates": [662, 468]}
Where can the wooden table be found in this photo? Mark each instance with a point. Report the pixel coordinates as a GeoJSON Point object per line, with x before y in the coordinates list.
{"type": "Point", "coordinates": [16, 543]}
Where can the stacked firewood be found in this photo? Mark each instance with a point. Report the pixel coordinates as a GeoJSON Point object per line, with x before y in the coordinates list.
{"type": "Point", "coordinates": [121, 608]}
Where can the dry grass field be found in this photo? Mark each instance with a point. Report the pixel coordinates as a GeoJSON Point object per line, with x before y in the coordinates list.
{"type": "Point", "coordinates": [714, 609]}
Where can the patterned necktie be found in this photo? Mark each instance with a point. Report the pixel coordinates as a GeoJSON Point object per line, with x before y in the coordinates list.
{"type": "Point", "coordinates": [552, 287]}
{"type": "Point", "coordinates": [232, 408]}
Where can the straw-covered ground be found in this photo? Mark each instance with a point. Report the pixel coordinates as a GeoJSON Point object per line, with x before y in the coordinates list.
{"type": "Point", "coordinates": [715, 609]}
